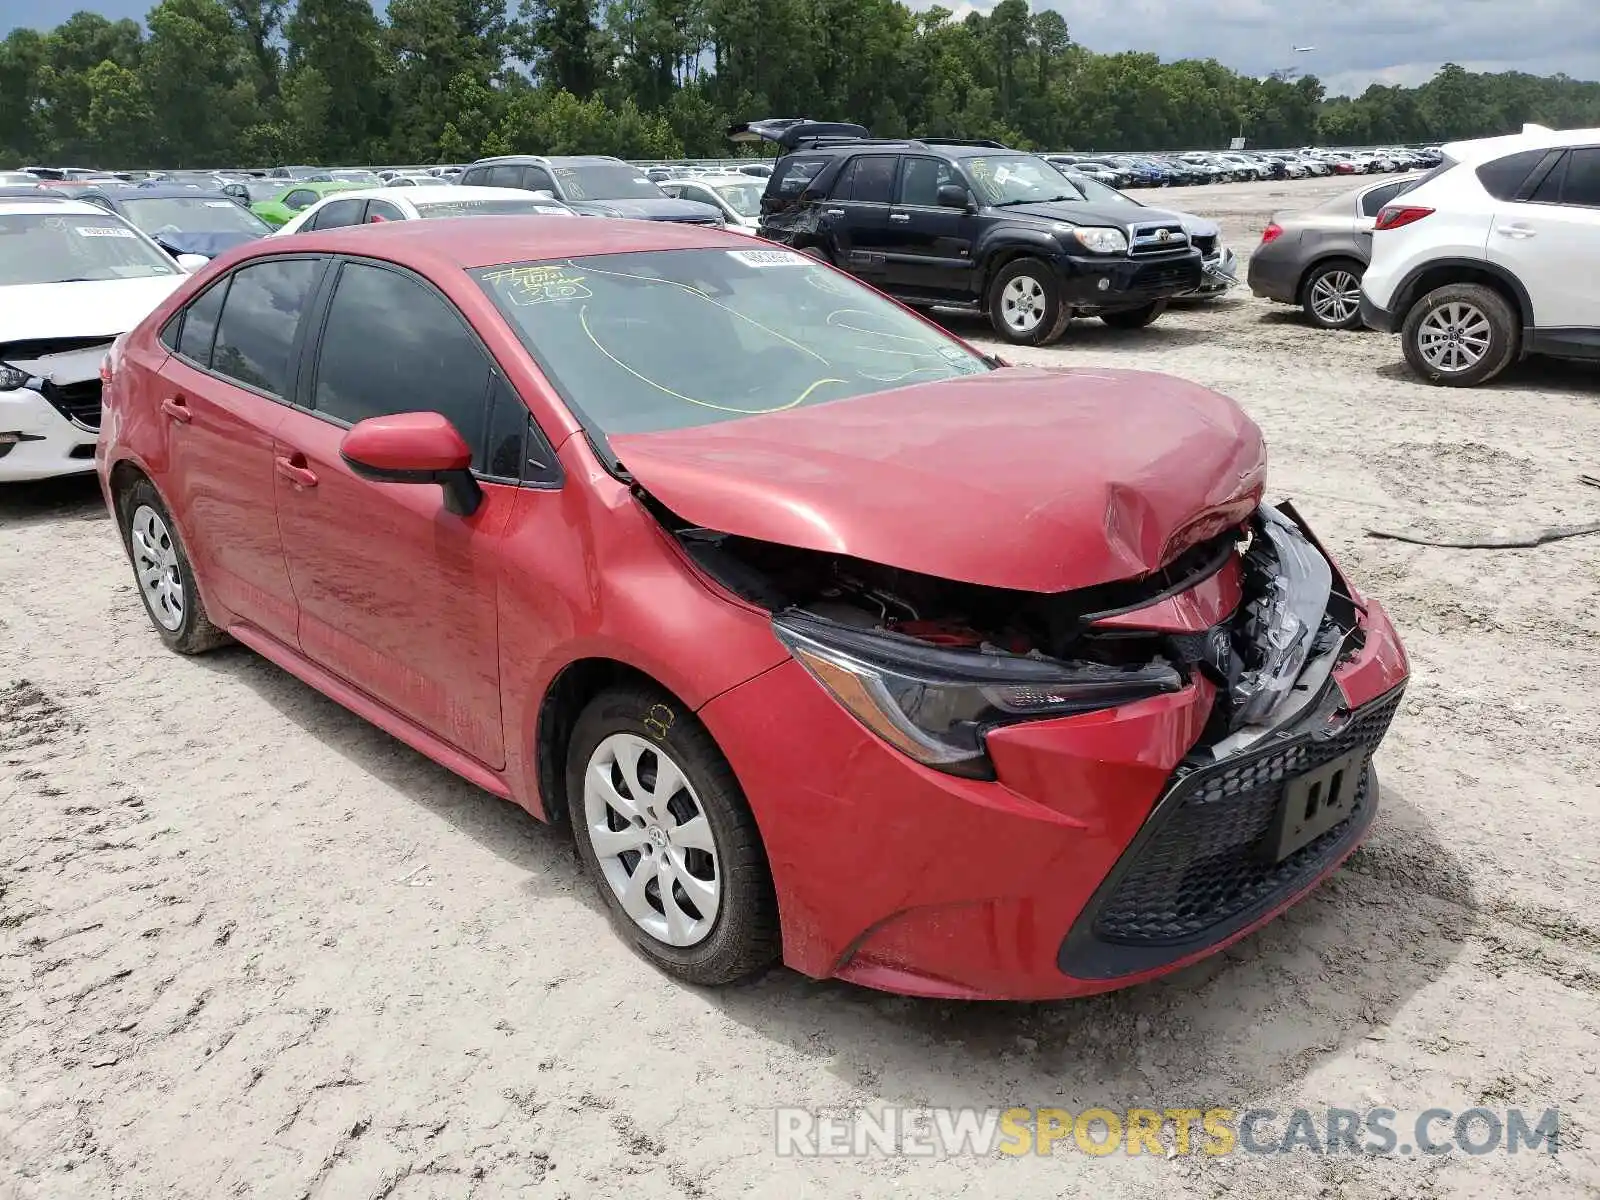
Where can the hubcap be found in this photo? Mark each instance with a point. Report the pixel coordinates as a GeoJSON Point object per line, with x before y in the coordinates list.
{"type": "Point", "coordinates": [1454, 337]}
{"type": "Point", "coordinates": [650, 833]}
{"type": "Point", "coordinates": [1336, 297]}
{"type": "Point", "coordinates": [155, 561]}
{"type": "Point", "coordinates": [1022, 303]}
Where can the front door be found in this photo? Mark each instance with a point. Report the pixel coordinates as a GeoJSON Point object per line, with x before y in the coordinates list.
{"type": "Point", "coordinates": [222, 401]}
{"type": "Point", "coordinates": [397, 595]}
{"type": "Point", "coordinates": [929, 246]}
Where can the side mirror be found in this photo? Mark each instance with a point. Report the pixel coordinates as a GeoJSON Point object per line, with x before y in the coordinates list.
{"type": "Point", "coordinates": [545, 194]}
{"type": "Point", "coordinates": [953, 195]}
{"type": "Point", "coordinates": [192, 262]}
{"type": "Point", "coordinates": [416, 447]}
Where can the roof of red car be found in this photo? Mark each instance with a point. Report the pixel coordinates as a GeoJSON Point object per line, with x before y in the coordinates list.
{"type": "Point", "coordinates": [468, 242]}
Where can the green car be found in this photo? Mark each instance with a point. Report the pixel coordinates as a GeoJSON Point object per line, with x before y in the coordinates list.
{"type": "Point", "coordinates": [280, 208]}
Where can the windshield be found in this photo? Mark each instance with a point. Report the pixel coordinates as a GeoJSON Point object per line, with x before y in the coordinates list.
{"type": "Point", "coordinates": [72, 249]}
{"type": "Point", "coordinates": [179, 214]}
{"type": "Point", "coordinates": [606, 181]}
{"type": "Point", "coordinates": [1016, 179]}
{"type": "Point", "coordinates": [491, 208]}
{"type": "Point", "coordinates": [743, 198]}
{"type": "Point", "coordinates": [671, 339]}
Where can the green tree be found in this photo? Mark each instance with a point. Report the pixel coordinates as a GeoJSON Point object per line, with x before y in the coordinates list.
{"type": "Point", "coordinates": [339, 70]}
{"type": "Point", "coordinates": [193, 70]}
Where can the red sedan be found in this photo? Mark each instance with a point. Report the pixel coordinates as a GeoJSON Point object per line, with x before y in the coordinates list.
{"type": "Point", "coordinates": [830, 638]}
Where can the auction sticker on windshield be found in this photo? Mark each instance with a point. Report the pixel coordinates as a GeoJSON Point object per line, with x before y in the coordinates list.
{"type": "Point", "coordinates": [102, 231]}
{"type": "Point", "coordinates": [771, 258]}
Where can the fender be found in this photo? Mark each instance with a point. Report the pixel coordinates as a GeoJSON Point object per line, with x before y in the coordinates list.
{"type": "Point", "coordinates": [1004, 238]}
{"type": "Point", "coordinates": [1406, 297]}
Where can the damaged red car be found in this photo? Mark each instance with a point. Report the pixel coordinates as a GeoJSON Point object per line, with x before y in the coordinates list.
{"type": "Point", "coordinates": [832, 639]}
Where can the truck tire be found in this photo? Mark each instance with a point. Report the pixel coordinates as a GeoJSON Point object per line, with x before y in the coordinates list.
{"type": "Point", "coordinates": [1024, 303]}
{"type": "Point", "coordinates": [1135, 318]}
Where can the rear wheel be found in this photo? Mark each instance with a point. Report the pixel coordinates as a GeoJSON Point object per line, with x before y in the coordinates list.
{"type": "Point", "coordinates": [1331, 295]}
{"type": "Point", "coordinates": [1135, 318]}
{"type": "Point", "coordinates": [163, 574]}
{"type": "Point", "coordinates": [1460, 335]}
{"type": "Point", "coordinates": [1024, 303]}
{"type": "Point", "coordinates": [666, 834]}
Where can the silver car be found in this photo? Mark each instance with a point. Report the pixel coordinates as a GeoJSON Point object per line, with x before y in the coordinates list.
{"type": "Point", "coordinates": [1316, 258]}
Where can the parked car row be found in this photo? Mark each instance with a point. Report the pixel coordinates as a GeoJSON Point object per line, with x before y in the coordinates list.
{"type": "Point", "coordinates": [1487, 258]}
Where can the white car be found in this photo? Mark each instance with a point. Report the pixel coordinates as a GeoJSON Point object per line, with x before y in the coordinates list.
{"type": "Point", "coordinates": [735, 195]}
{"type": "Point", "coordinates": [1492, 255]}
{"type": "Point", "coordinates": [73, 278]}
{"type": "Point", "coordinates": [371, 205]}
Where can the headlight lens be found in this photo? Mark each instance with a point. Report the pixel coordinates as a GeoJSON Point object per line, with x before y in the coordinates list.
{"type": "Point", "coordinates": [11, 378]}
{"type": "Point", "coordinates": [936, 705]}
{"type": "Point", "coordinates": [1101, 239]}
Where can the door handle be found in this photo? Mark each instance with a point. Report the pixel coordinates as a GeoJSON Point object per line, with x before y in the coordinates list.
{"type": "Point", "coordinates": [833, 212]}
{"type": "Point", "coordinates": [1515, 231]}
{"type": "Point", "coordinates": [294, 469]}
{"type": "Point", "coordinates": [178, 409]}
{"type": "Point", "coordinates": [899, 216]}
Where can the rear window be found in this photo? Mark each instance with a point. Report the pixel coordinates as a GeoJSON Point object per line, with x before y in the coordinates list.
{"type": "Point", "coordinates": [792, 175]}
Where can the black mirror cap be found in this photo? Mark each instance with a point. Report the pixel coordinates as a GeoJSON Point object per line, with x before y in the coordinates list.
{"type": "Point", "coordinates": [462, 494]}
{"type": "Point", "coordinates": [953, 195]}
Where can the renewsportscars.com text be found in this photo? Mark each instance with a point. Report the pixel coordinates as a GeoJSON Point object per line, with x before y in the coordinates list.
{"type": "Point", "coordinates": [1015, 1132]}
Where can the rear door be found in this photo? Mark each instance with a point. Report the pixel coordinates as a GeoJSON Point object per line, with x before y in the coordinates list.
{"type": "Point", "coordinates": [929, 246]}
{"type": "Point", "coordinates": [397, 596]}
{"type": "Point", "coordinates": [223, 397]}
{"type": "Point", "coordinates": [1548, 236]}
{"type": "Point", "coordinates": [857, 213]}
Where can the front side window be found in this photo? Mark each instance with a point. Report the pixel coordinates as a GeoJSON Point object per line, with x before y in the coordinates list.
{"type": "Point", "coordinates": [537, 179]}
{"type": "Point", "coordinates": [338, 214]}
{"type": "Point", "coordinates": [381, 210]}
{"type": "Point", "coordinates": [669, 339]}
{"type": "Point", "coordinates": [508, 176]}
{"type": "Point", "coordinates": [259, 319]}
{"type": "Point", "coordinates": [391, 345]}
{"type": "Point", "coordinates": [76, 248]}
{"type": "Point", "coordinates": [1002, 179]}
{"type": "Point", "coordinates": [743, 198]}
{"type": "Point", "coordinates": [181, 214]}
{"type": "Point", "coordinates": [300, 198]}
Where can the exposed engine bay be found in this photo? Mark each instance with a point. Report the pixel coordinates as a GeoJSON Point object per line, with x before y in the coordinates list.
{"type": "Point", "coordinates": [1270, 659]}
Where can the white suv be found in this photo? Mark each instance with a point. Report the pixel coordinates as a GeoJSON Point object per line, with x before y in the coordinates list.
{"type": "Point", "coordinates": [1492, 255]}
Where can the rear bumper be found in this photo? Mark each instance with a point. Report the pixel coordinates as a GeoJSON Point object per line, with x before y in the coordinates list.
{"type": "Point", "coordinates": [1273, 278]}
{"type": "Point", "coordinates": [1374, 317]}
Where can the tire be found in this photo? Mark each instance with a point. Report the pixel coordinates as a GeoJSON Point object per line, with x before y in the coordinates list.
{"type": "Point", "coordinates": [162, 573]}
{"type": "Point", "coordinates": [1135, 318]}
{"type": "Point", "coordinates": [646, 727]}
{"type": "Point", "coordinates": [1483, 322]}
{"type": "Point", "coordinates": [1330, 294]}
{"type": "Point", "coordinates": [819, 253]}
{"type": "Point", "coordinates": [1026, 282]}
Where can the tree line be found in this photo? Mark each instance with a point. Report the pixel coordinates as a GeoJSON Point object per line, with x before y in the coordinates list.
{"type": "Point", "coordinates": [258, 82]}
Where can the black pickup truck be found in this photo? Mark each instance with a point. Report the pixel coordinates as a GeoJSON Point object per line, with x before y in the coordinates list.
{"type": "Point", "coordinates": [970, 225]}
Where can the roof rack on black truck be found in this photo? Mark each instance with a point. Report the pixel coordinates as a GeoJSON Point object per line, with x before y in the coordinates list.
{"type": "Point", "coordinates": [969, 224]}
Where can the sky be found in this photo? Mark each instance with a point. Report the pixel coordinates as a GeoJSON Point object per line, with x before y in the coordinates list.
{"type": "Point", "coordinates": [1357, 42]}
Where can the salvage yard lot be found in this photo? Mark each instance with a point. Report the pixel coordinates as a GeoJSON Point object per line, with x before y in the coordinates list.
{"type": "Point", "coordinates": [251, 946]}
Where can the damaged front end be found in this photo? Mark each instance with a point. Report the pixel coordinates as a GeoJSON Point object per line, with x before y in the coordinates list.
{"type": "Point", "coordinates": [933, 665]}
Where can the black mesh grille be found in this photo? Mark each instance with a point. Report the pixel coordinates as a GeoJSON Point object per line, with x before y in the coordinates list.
{"type": "Point", "coordinates": [79, 401]}
{"type": "Point", "coordinates": [1154, 278]}
{"type": "Point", "coordinates": [1199, 863]}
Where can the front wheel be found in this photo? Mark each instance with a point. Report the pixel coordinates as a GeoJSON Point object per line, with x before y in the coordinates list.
{"type": "Point", "coordinates": [1135, 318]}
{"type": "Point", "coordinates": [1025, 305]}
{"type": "Point", "coordinates": [666, 834]}
{"type": "Point", "coordinates": [1460, 335]}
{"type": "Point", "coordinates": [1331, 295]}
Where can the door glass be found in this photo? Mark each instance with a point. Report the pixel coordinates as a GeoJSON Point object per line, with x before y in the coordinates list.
{"type": "Point", "coordinates": [921, 180]}
{"type": "Point", "coordinates": [873, 178]}
{"type": "Point", "coordinates": [1372, 201]}
{"type": "Point", "coordinates": [200, 324]}
{"type": "Point", "coordinates": [537, 179]}
{"type": "Point", "coordinates": [1501, 177]}
{"type": "Point", "coordinates": [391, 346]}
{"type": "Point", "coordinates": [382, 210]}
{"type": "Point", "coordinates": [301, 198]}
{"type": "Point", "coordinates": [339, 213]}
{"type": "Point", "coordinates": [1549, 191]}
{"type": "Point", "coordinates": [1583, 178]}
{"type": "Point", "coordinates": [259, 319]}
{"type": "Point", "coordinates": [504, 177]}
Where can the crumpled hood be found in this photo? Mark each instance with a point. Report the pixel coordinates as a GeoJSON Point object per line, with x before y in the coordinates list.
{"type": "Point", "coordinates": [1034, 480]}
{"type": "Point", "coordinates": [55, 310]}
{"type": "Point", "coordinates": [208, 244]}
{"type": "Point", "coordinates": [664, 209]}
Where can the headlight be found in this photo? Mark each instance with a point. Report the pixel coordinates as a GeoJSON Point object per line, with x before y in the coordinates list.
{"type": "Point", "coordinates": [1101, 239]}
{"type": "Point", "coordinates": [12, 378]}
{"type": "Point", "coordinates": [936, 705]}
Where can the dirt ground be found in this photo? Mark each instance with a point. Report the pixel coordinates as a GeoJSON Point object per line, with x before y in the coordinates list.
{"type": "Point", "coordinates": [250, 946]}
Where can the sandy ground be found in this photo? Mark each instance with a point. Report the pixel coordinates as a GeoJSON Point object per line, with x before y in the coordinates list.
{"type": "Point", "coordinates": [253, 947]}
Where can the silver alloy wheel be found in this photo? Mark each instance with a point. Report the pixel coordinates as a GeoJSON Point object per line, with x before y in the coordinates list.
{"type": "Point", "coordinates": [155, 561]}
{"type": "Point", "coordinates": [1336, 297]}
{"type": "Point", "coordinates": [1454, 337]}
{"type": "Point", "coordinates": [1022, 303]}
{"type": "Point", "coordinates": [650, 834]}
